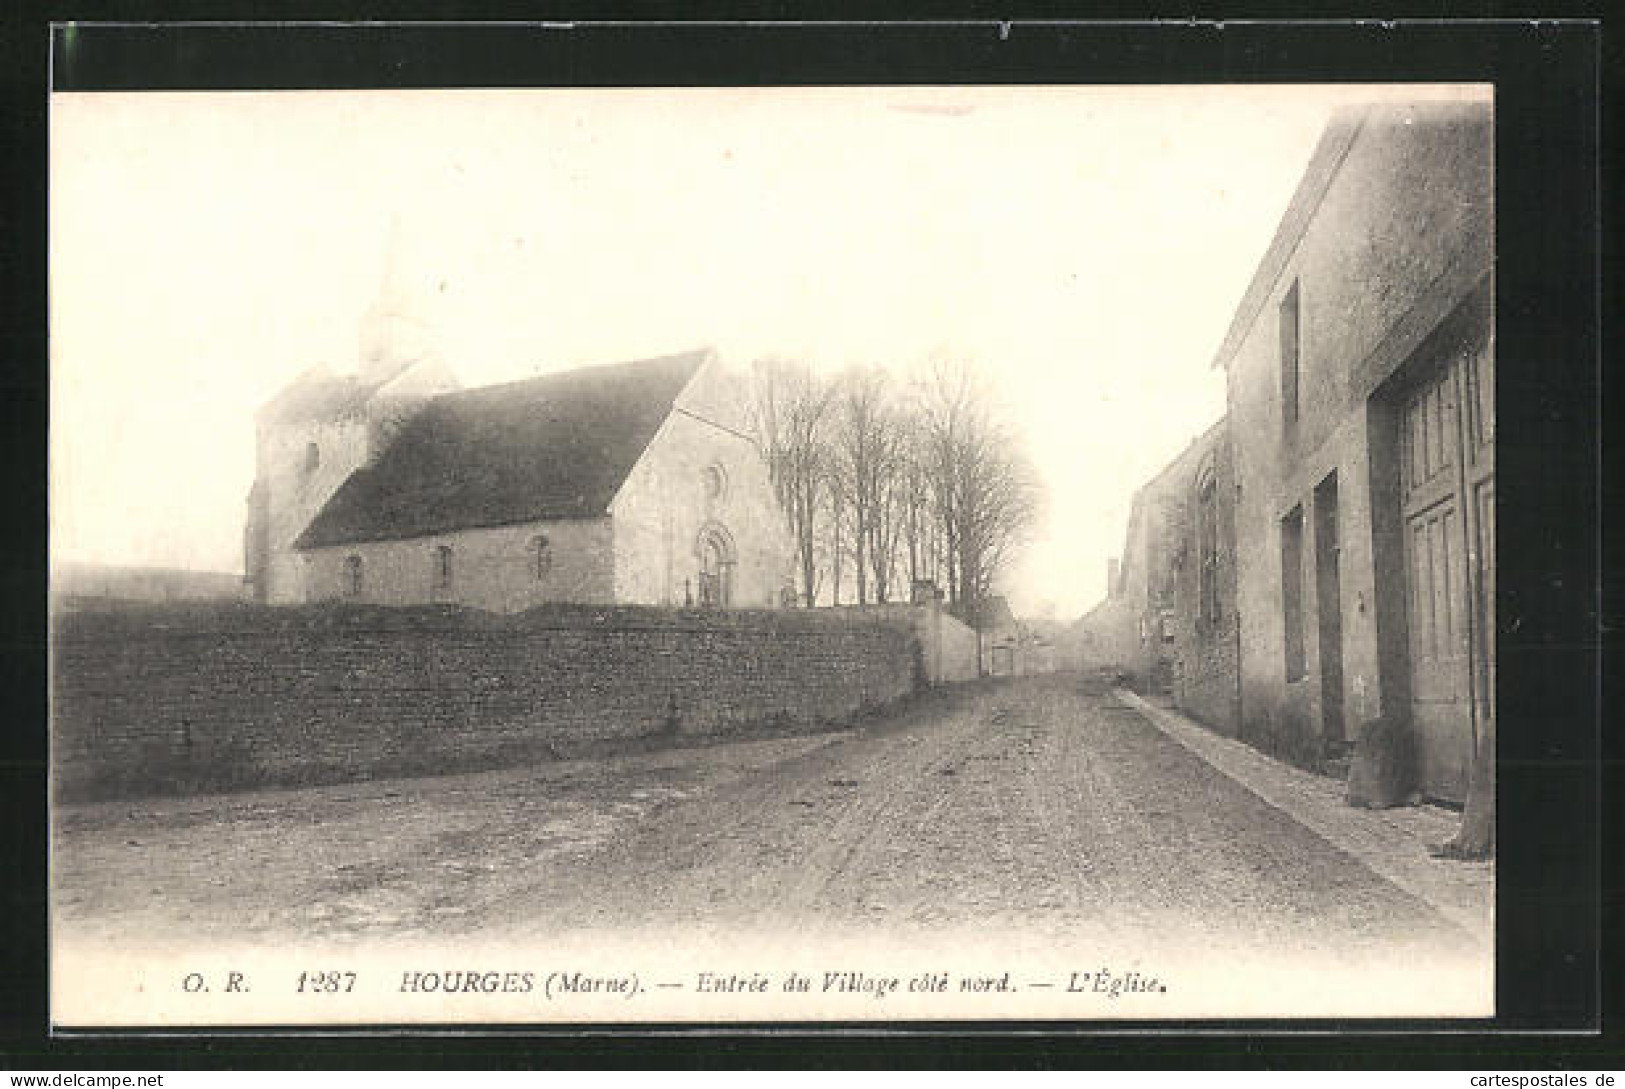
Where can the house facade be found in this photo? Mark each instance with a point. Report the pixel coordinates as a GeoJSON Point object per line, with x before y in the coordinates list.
{"type": "Point", "coordinates": [1360, 378]}
{"type": "Point", "coordinates": [1325, 556]}
{"type": "Point", "coordinates": [633, 483]}
{"type": "Point", "coordinates": [1169, 619]}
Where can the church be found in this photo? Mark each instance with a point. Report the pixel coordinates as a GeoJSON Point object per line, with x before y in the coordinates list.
{"type": "Point", "coordinates": [629, 483]}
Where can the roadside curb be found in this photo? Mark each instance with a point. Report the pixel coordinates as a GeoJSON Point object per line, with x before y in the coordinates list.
{"type": "Point", "coordinates": [1392, 843]}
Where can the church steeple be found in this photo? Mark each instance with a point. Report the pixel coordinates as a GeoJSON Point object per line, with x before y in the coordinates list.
{"type": "Point", "coordinates": [394, 334]}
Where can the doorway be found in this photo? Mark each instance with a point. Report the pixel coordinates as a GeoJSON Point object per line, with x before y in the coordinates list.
{"type": "Point", "coordinates": [1329, 611]}
{"type": "Point", "coordinates": [1447, 442]}
{"type": "Point", "coordinates": [716, 568]}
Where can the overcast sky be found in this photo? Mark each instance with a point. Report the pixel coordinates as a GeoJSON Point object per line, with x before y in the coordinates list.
{"type": "Point", "coordinates": [1087, 245]}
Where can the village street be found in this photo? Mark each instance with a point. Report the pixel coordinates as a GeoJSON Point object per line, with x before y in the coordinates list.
{"type": "Point", "coordinates": [1041, 807]}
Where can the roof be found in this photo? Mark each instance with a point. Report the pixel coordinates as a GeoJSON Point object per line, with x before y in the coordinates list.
{"type": "Point", "coordinates": [1327, 159]}
{"type": "Point", "coordinates": [551, 448]}
{"type": "Point", "coordinates": [318, 394]}
{"type": "Point", "coordinates": [1325, 162]}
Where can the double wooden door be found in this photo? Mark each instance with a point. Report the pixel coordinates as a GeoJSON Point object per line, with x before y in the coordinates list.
{"type": "Point", "coordinates": [1447, 434]}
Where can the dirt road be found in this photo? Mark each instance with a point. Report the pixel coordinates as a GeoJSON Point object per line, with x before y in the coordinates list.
{"type": "Point", "coordinates": [1041, 807]}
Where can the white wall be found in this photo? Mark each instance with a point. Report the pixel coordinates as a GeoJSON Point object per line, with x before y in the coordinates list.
{"type": "Point", "coordinates": [492, 569]}
{"type": "Point", "coordinates": [664, 506]}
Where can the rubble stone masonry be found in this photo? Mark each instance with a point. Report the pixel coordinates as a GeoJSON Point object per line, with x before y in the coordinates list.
{"type": "Point", "coordinates": [173, 699]}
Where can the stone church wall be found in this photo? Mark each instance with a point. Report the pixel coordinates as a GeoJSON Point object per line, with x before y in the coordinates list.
{"type": "Point", "coordinates": [179, 699]}
{"type": "Point", "coordinates": [492, 568]}
{"type": "Point", "coordinates": [701, 474]}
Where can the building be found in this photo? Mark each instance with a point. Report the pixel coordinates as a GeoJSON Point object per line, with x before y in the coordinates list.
{"type": "Point", "coordinates": [311, 439]}
{"type": "Point", "coordinates": [635, 483]}
{"type": "Point", "coordinates": [1325, 557]}
{"type": "Point", "coordinates": [313, 436]}
{"type": "Point", "coordinates": [1360, 377]}
{"type": "Point", "coordinates": [1007, 647]}
{"type": "Point", "coordinates": [1168, 623]}
{"type": "Point", "coordinates": [1199, 623]}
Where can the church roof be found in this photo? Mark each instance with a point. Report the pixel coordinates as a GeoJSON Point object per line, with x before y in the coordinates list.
{"type": "Point", "coordinates": [555, 447]}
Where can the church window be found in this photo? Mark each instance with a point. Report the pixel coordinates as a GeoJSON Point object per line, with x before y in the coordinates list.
{"type": "Point", "coordinates": [716, 482]}
{"type": "Point", "coordinates": [352, 576]}
{"type": "Point", "coordinates": [313, 457]}
{"type": "Point", "coordinates": [541, 556]}
{"type": "Point", "coordinates": [442, 567]}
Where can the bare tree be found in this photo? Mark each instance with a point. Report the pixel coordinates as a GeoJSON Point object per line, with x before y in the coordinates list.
{"type": "Point", "coordinates": [915, 497]}
{"type": "Point", "coordinates": [886, 523]}
{"type": "Point", "coordinates": [790, 407]}
{"type": "Point", "coordinates": [985, 493]}
{"type": "Point", "coordinates": [860, 469]}
{"type": "Point", "coordinates": [836, 488]}
{"type": "Point", "coordinates": [866, 440]}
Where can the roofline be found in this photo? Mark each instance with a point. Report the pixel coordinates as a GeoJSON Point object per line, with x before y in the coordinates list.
{"type": "Point", "coordinates": [1173, 463]}
{"type": "Point", "coordinates": [708, 352]}
{"type": "Point", "coordinates": [299, 544]}
{"type": "Point", "coordinates": [1324, 165]}
{"type": "Point", "coordinates": [1136, 510]}
{"type": "Point", "coordinates": [710, 360]}
{"type": "Point", "coordinates": [708, 356]}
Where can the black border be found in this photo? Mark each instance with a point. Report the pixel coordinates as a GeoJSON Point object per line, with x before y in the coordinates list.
{"type": "Point", "coordinates": [1547, 78]}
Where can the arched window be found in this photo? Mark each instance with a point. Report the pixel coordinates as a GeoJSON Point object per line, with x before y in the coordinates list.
{"type": "Point", "coordinates": [313, 457]}
{"type": "Point", "coordinates": [353, 576]}
{"type": "Point", "coordinates": [715, 480]}
{"type": "Point", "coordinates": [541, 556]}
{"type": "Point", "coordinates": [442, 567]}
{"type": "Point", "coordinates": [1207, 546]}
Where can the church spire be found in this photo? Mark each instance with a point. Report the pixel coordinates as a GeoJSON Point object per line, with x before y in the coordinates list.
{"type": "Point", "coordinates": [393, 332]}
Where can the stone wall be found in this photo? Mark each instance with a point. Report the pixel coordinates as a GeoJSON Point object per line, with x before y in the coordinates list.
{"type": "Point", "coordinates": [1206, 637]}
{"type": "Point", "coordinates": [948, 646]}
{"type": "Point", "coordinates": [492, 568]}
{"type": "Point", "coordinates": [701, 474]}
{"type": "Point", "coordinates": [174, 699]}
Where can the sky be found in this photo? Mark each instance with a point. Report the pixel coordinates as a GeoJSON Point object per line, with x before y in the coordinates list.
{"type": "Point", "coordinates": [1087, 246]}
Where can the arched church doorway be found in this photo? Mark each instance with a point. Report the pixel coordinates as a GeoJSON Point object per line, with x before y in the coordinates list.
{"type": "Point", "coordinates": [717, 561]}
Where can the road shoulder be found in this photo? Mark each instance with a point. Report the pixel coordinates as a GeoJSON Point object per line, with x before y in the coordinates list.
{"type": "Point", "coordinates": [1392, 843]}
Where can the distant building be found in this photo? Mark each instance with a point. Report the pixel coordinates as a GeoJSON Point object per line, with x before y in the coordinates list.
{"type": "Point", "coordinates": [1168, 622]}
{"type": "Point", "coordinates": [995, 627]}
{"type": "Point", "coordinates": [1008, 647]}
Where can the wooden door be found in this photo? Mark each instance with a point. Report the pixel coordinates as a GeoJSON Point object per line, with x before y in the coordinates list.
{"type": "Point", "coordinates": [1478, 482]}
{"type": "Point", "coordinates": [1447, 466]}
